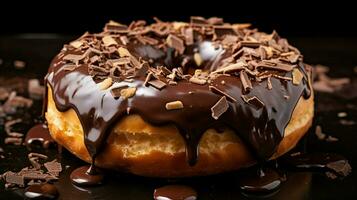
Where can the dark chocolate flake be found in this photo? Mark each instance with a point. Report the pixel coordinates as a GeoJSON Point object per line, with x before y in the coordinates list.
{"type": "Point", "coordinates": [157, 84]}
{"type": "Point", "coordinates": [69, 67]}
{"type": "Point", "coordinates": [252, 44]}
{"type": "Point", "coordinates": [247, 85]}
{"type": "Point", "coordinates": [254, 101]}
{"type": "Point", "coordinates": [198, 21]}
{"type": "Point", "coordinates": [176, 43]}
{"type": "Point", "coordinates": [219, 108]}
{"type": "Point", "coordinates": [222, 30]}
{"type": "Point", "coordinates": [220, 92]}
{"type": "Point", "coordinates": [189, 36]}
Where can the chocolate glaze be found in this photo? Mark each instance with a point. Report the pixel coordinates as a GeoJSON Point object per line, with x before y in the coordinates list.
{"type": "Point", "coordinates": [41, 191]}
{"type": "Point", "coordinates": [39, 133]}
{"type": "Point", "coordinates": [261, 128]}
{"type": "Point", "coordinates": [175, 192]}
{"type": "Point", "coordinates": [86, 176]}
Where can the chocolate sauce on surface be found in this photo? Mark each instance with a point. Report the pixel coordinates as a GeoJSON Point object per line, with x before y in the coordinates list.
{"type": "Point", "coordinates": [41, 191]}
{"type": "Point", "coordinates": [175, 192]}
{"type": "Point", "coordinates": [264, 182]}
{"type": "Point", "coordinates": [261, 127]}
{"type": "Point", "coordinates": [86, 176]}
{"type": "Point", "coordinates": [39, 133]}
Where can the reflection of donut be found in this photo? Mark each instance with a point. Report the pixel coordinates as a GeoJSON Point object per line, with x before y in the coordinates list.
{"type": "Point", "coordinates": [137, 98]}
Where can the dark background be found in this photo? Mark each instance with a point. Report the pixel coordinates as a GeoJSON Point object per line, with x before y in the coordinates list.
{"type": "Point", "coordinates": [289, 18]}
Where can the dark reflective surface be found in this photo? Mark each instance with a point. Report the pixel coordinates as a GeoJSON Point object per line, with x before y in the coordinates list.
{"type": "Point", "coordinates": [334, 52]}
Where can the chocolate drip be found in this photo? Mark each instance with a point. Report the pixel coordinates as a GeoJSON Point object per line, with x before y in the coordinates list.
{"type": "Point", "coordinates": [260, 123]}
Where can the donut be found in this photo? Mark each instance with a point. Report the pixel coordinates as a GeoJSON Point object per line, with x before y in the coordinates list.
{"type": "Point", "coordinates": [178, 99]}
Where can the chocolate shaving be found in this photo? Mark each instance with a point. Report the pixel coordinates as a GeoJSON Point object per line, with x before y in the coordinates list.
{"type": "Point", "coordinates": [276, 66]}
{"type": "Point", "coordinates": [36, 155]}
{"type": "Point", "coordinates": [219, 108]}
{"type": "Point", "coordinates": [198, 21]}
{"type": "Point", "coordinates": [18, 64]}
{"type": "Point", "coordinates": [13, 140]}
{"type": "Point", "coordinates": [157, 84]}
{"type": "Point", "coordinates": [232, 67]}
{"type": "Point", "coordinates": [340, 167]}
{"type": "Point", "coordinates": [109, 41]}
{"type": "Point", "coordinates": [147, 40]}
{"type": "Point", "coordinates": [222, 30]}
{"type": "Point", "coordinates": [269, 85]}
{"type": "Point", "coordinates": [220, 92]}
{"type": "Point", "coordinates": [215, 21]}
{"type": "Point", "coordinates": [247, 85]}
{"type": "Point", "coordinates": [69, 67]}
{"type": "Point", "coordinates": [148, 78]}
{"type": "Point", "coordinates": [53, 167]}
{"type": "Point", "coordinates": [254, 101]}
{"type": "Point", "coordinates": [189, 36]}
{"type": "Point", "coordinates": [115, 27]}
{"type": "Point", "coordinates": [124, 40]}
{"type": "Point", "coordinates": [176, 43]}
{"type": "Point", "coordinates": [75, 57]}
{"type": "Point", "coordinates": [252, 44]}
{"type": "Point", "coordinates": [13, 178]}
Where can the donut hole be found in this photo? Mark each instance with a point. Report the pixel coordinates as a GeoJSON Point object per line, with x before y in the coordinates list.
{"type": "Point", "coordinates": [203, 55]}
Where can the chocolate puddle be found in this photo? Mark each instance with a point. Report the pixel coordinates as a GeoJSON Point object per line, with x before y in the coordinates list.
{"type": "Point", "coordinates": [39, 133]}
{"type": "Point", "coordinates": [41, 191]}
{"type": "Point", "coordinates": [86, 176]}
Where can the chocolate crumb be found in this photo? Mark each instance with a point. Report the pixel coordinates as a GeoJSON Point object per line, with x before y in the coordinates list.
{"type": "Point", "coordinates": [347, 122]}
{"type": "Point", "coordinates": [331, 139]}
{"type": "Point", "coordinates": [18, 64]}
{"type": "Point", "coordinates": [318, 132]}
{"type": "Point", "coordinates": [35, 90]}
{"type": "Point", "coordinates": [13, 140]}
{"type": "Point", "coordinates": [342, 114]}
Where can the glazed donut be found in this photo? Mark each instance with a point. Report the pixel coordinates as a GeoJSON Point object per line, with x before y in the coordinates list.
{"type": "Point", "coordinates": [175, 99]}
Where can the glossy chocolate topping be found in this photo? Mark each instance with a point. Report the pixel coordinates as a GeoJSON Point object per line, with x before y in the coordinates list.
{"type": "Point", "coordinates": [248, 81]}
